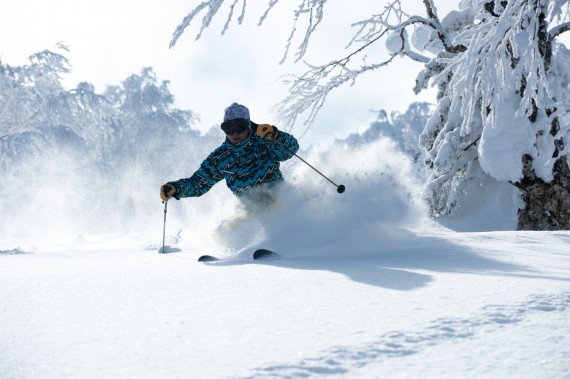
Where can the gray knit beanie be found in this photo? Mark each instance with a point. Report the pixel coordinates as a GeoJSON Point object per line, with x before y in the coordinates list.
{"type": "Point", "coordinates": [236, 111]}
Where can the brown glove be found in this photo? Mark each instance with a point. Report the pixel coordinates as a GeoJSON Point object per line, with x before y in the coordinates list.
{"type": "Point", "coordinates": [268, 132]}
{"type": "Point", "coordinates": [167, 190]}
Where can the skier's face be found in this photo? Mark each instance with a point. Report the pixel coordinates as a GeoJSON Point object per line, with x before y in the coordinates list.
{"type": "Point", "coordinates": [236, 130]}
{"type": "Point", "coordinates": [236, 137]}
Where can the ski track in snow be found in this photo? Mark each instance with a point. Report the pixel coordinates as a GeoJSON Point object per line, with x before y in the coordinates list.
{"type": "Point", "coordinates": [341, 360]}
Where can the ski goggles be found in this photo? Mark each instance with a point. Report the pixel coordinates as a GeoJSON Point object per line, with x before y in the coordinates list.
{"type": "Point", "coordinates": [239, 125]}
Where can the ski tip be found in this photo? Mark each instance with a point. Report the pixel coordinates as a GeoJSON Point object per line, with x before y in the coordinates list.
{"type": "Point", "coordinates": [207, 258]}
{"type": "Point", "coordinates": [264, 253]}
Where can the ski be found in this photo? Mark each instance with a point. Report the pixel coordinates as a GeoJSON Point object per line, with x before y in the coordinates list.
{"type": "Point", "coordinates": [264, 254]}
{"type": "Point", "coordinates": [207, 258]}
{"type": "Point", "coordinates": [257, 254]}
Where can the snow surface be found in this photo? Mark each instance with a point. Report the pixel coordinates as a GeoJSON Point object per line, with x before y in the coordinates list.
{"type": "Point", "coordinates": [368, 287]}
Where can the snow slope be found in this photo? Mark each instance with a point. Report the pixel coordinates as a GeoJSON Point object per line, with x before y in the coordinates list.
{"type": "Point", "coordinates": [367, 288]}
{"type": "Point", "coordinates": [447, 305]}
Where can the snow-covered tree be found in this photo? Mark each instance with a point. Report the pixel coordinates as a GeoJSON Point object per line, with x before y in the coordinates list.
{"type": "Point", "coordinates": [503, 82]}
{"type": "Point", "coordinates": [144, 119]}
{"type": "Point", "coordinates": [503, 107]}
{"type": "Point", "coordinates": [38, 115]}
{"type": "Point", "coordinates": [87, 147]}
{"type": "Point", "coordinates": [403, 128]}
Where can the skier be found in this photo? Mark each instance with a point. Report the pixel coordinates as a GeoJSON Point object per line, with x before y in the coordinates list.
{"type": "Point", "coordinates": [248, 159]}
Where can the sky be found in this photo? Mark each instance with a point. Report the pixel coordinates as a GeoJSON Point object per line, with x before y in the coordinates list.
{"type": "Point", "coordinates": [110, 40]}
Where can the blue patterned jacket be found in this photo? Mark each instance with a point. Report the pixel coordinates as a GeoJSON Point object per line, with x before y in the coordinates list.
{"type": "Point", "coordinates": [251, 162]}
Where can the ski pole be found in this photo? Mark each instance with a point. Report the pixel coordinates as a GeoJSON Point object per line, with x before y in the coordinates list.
{"type": "Point", "coordinates": [339, 188]}
{"type": "Point", "coordinates": [164, 226]}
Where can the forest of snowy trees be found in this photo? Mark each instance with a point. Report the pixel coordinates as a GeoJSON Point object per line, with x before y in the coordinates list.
{"type": "Point", "coordinates": [39, 116]}
{"type": "Point", "coordinates": [82, 144]}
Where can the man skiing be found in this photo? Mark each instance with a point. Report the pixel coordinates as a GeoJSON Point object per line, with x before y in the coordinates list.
{"type": "Point", "coordinates": [248, 159]}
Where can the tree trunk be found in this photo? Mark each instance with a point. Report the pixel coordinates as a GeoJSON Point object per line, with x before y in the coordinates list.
{"type": "Point", "coordinates": [547, 205]}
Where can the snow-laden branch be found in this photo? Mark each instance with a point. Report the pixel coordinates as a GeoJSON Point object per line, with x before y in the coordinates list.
{"type": "Point", "coordinates": [441, 33]}
{"type": "Point", "coordinates": [557, 30]}
{"type": "Point", "coordinates": [394, 19]}
{"type": "Point", "coordinates": [310, 91]}
{"type": "Point", "coordinates": [212, 8]}
{"type": "Point", "coordinates": [315, 12]}
{"type": "Point", "coordinates": [433, 21]}
{"type": "Point", "coordinates": [310, 10]}
{"type": "Point", "coordinates": [372, 27]}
